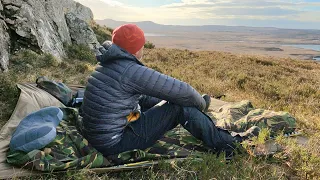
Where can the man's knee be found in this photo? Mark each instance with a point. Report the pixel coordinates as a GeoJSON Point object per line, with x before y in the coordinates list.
{"type": "Point", "coordinates": [173, 107]}
{"type": "Point", "coordinates": [192, 113]}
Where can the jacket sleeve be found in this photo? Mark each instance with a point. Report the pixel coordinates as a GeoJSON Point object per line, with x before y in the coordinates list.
{"type": "Point", "coordinates": [143, 80]}
{"type": "Point", "coordinates": [147, 102]}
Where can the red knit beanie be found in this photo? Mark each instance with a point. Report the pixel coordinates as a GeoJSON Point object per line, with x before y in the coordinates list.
{"type": "Point", "coordinates": [129, 37]}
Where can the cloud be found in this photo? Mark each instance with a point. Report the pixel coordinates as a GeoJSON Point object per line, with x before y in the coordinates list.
{"type": "Point", "coordinates": [112, 3]}
{"type": "Point", "coordinates": [241, 3]}
{"type": "Point", "coordinates": [308, 17]}
{"type": "Point", "coordinates": [190, 12]}
{"type": "Point", "coordinates": [103, 9]}
{"type": "Point", "coordinates": [251, 9]}
{"type": "Point", "coordinates": [252, 12]}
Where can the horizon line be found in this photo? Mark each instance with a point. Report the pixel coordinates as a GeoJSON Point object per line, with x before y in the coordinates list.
{"type": "Point", "coordinates": [207, 25]}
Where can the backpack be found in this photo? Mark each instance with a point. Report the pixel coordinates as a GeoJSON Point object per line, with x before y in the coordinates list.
{"type": "Point", "coordinates": [59, 90]}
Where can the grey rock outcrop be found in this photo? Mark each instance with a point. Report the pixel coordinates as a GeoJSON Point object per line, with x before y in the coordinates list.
{"type": "Point", "coordinates": [4, 46]}
{"type": "Point", "coordinates": [41, 25]}
{"type": "Point", "coordinates": [4, 42]}
{"type": "Point", "coordinates": [80, 32]}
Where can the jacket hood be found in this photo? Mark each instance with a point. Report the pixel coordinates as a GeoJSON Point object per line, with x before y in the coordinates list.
{"type": "Point", "coordinates": [110, 52]}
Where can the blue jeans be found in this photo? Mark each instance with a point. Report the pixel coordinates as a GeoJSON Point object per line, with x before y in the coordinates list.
{"type": "Point", "coordinates": [158, 120]}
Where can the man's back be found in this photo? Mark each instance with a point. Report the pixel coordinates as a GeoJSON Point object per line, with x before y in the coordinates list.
{"type": "Point", "coordinates": [106, 103]}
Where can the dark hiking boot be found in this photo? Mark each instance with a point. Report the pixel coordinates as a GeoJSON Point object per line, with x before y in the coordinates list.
{"type": "Point", "coordinates": [239, 138]}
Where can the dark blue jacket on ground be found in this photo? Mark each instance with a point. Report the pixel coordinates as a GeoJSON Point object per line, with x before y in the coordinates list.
{"type": "Point", "coordinates": [115, 88]}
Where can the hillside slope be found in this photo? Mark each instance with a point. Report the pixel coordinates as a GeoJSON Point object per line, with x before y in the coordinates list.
{"type": "Point", "coordinates": [277, 84]}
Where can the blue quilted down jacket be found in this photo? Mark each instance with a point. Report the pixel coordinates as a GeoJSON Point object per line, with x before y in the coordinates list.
{"type": "Point", "coordinates": [113, 91]}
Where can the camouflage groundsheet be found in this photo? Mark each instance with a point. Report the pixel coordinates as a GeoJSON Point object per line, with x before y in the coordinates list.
{"type": "Point", "coordinates": [70, 150]}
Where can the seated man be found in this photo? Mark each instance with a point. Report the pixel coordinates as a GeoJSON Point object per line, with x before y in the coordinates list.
{"type": "Point", "coordinates": [119, 112]}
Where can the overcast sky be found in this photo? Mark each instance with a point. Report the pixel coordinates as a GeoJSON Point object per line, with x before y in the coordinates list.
{"type": "Point", "coordinates": [302, 14]}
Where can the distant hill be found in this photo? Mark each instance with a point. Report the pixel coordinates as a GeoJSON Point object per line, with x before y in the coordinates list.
{"type": "Point", "coordinates": [149, 26]}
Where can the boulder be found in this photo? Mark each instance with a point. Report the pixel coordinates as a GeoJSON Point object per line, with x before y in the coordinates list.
{"type": "Point", "coordinates": [80, 31]}
{"type": "Point", "coordinates": [4, 46]}
{"type": "Point", "coordinates": [4, 42]}
{"type": "Point", "coordinates": [41, 25]}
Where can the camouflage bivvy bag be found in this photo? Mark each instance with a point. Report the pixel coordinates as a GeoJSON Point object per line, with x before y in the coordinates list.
{"type": "Point", "coordinates": [70, 150]}
{"type": "Point", "coordinates": [240, 116]}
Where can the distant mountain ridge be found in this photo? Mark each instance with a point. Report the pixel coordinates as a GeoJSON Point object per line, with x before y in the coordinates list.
{"type": "Point", "coordinates": [149, 26]}
{"type": "Point", "coordinates": [145, 25]}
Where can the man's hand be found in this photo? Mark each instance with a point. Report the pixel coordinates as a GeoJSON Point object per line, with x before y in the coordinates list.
{"type": "Point", "coordinates": [207, 98]}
